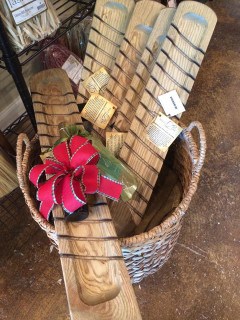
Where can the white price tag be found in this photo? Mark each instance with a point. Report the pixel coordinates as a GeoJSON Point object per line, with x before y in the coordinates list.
{"type": "Point", "coordinates": [73, 68]}
{"type": "Point", "coordinates": [171, 103]}
{"type": "Point", "coordinates": [163, 131]}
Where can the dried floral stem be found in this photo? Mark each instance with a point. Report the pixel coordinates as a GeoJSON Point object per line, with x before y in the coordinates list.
{"type": "Point", "coordinates": [32, 30]}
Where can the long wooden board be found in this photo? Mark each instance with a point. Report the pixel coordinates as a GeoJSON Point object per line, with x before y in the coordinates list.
{"type": "Point", "coordinates": [126, 111]}
{"type": "Point", "coordinates": [176, 68]}
{"type": "Point", "coordinates": [96, 279]}
{"type": "Point", "coordinates": [134, 42]}
{"type": "Point", "coordinates": [110, 21]}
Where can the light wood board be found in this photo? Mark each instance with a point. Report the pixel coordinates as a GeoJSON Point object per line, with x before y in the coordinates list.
{"type": "Point", "coordinates": [134, 42]}
{"type": "Point", "coordinates": [110, 21]}
{"type": "Point", "coordinates": [8, 175]}
{"type": "Point", "coordinates": [165, 199]}
{"type": "Point", "coordinates": [96, 279]}
{"type": "Point", "coordinates": [126, 112]}
{"type": "Point", "coordinates": [176, 68]}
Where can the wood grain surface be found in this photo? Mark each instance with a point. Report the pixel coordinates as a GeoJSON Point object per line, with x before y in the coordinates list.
{"type": "Point", "coordinates": [96, 279]}
{"type": "Point", "coordinates": [176, 68]}
{"type": "Point", "coordinates": [126, 112]}
{"type": "Point", "coordinates": [124, 223]}
{"type": "Point", "coordinates": [166, 197]}
{"type": "Point", "coordinates": [8, 176]}
{"type": "Point", "coordinates": [110, 21]}
{"type": "Point", "coordinates": [134, 42]}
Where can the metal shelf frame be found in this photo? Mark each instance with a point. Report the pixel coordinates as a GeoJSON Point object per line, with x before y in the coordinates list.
{"type": "Point", "coordinates": [13, 62]}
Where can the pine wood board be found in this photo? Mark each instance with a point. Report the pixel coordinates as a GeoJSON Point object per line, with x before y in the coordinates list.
{"type": "Point", "coordinates": [190, 31]}
{"type": "Point", "coordinates": [8, 176]}
{"type": "Point", "coordinates": [124, 223]}
{"type": "Point", "coordinates": [93, 267]}
{"type": "Point", "coordinates": [126, 112]}
{"type": "Point", "coordinates": [166, 197]}
{"type": "Point", "coordinates": [134, 42]}
{"type": "Point", "coordinates": [110, 21]}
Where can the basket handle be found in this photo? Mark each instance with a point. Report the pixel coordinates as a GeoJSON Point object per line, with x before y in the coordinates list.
{"type": "Point", "coordinates": [198, 159]}
{"type": "Point", "coordinates": [22, 158]}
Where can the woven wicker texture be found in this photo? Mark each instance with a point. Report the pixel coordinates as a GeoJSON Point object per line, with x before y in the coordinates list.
{"type": "Point", "coordinates": [145, 253]}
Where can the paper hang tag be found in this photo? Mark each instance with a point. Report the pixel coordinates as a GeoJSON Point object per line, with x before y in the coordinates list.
{"type": "Point", "coordinates": [171, 103]}
{"type": "Point", "coordinates": [73, 68]}
{"type": "Point", "coordinates": [114, 141]}
{"type": "Point", "coordinates": [163, 131]}
{"type": "Point", "coordinates": [98, 111]}
{"type": "Point", "coordinates": [97, 82]}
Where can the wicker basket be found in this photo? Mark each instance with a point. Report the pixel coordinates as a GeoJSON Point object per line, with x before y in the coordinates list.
{"type": "Point", "coordinates": [145, 253]}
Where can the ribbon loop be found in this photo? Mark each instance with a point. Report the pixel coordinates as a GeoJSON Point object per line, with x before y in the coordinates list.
{"type": "Point", "coordinates": [62, 153]}
{"type": "Point", "coordinates": [85, 154]}
{"type": "Point", "coordinates": [75, 142]}
{"type": "Point", "coordinates": [72, 196]}
{"type": "Point", "coordinates": [90, 179]}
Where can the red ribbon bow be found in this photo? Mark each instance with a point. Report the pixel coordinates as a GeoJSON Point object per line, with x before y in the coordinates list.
{"type": "Point", "coordinates": [74, 174]}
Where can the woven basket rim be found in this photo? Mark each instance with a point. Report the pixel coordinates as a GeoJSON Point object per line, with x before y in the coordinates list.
{"type": "Point", "coordinates": [197, 158]}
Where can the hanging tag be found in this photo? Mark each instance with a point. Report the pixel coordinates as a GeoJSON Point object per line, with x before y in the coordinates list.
{"type": "Point", "coordinates": [73, 68]}
{"type": "Point", "coordinates": [171, 103]}
{"type": "Point", "coordinates": [98, 111]}
{"type": "Point", "coordinates": [97, 82]}
{"type": "Point", "coordinates": [163, 131]}
{"type": "Point", "coordinates": [114, 141]}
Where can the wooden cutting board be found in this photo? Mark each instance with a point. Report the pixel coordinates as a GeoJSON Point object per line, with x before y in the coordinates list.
{"type": "Point", "coordinates": [110, 21]}
{"type": "Point", "coordinates": [133, 44]}
{"type": "Point", "coordinates": [96, 279]}
{"type": "Point", "coordinates": [176, 68]}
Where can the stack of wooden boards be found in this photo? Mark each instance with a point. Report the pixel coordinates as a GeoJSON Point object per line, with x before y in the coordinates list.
{"type": "Point", "coordinates": [147, 50]}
